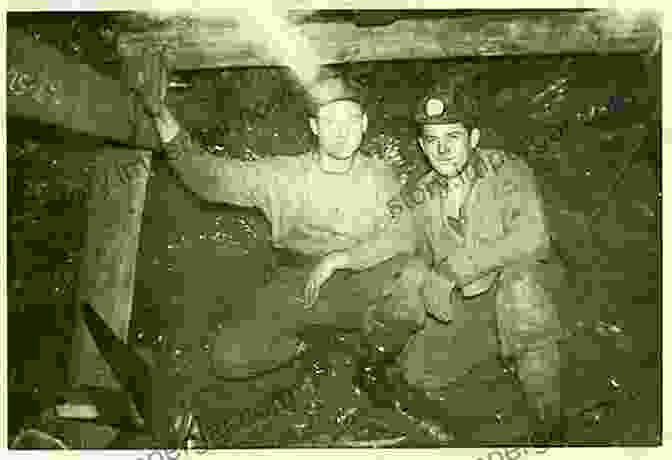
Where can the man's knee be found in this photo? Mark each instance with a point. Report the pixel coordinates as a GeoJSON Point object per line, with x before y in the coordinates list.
{"type": "Point", "coordinates": [527, 307]}
{"type": "Point", "coordinates": [414, 270]}
{"type": "Point", "coordinates": [242, 352]}
{"type": "Point", "coordinates": [400, 299]}
{"type": "Point", "coordinates": [406, 281]}
{"type": "Point", "coordinates": [530, 284]}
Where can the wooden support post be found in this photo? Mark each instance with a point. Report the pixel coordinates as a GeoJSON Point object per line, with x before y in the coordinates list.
{"type": "Point", "coordinates": [115, 207]}
{"type": "Point", "coordinates": [107, 271]}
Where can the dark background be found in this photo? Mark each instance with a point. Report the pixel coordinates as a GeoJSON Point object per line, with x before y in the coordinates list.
{"type": "Point", "coordinates": [588, 125]}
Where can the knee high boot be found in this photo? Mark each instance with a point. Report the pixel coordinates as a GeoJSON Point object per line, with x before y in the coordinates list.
{"type": "Point", "coordinates": [539, 374]}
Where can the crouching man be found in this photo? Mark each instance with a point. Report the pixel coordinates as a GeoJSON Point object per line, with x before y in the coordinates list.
{"type": "Point", "coordinates": [328, 207]}
{"type": "Point", "coordinates": [487, 260]}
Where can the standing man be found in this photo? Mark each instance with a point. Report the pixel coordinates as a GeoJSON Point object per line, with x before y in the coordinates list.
{"type": "Point", "coordinates": [329, 207]}
{"type": "Point", "coordinates": [487, 257]}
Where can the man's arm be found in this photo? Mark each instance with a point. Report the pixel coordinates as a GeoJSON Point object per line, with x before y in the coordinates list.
{"type": "Point", "coordinates": [396, 234]}
{"type": "Point", "coordinates": [214, 179]}
{"type": "Point", "coordinates": [393, 237]}
{"type": "Point", "coordinates": [524, 226]}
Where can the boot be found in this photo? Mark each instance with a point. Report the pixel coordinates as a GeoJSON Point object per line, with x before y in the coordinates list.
{"type": "Point", "coordinates": [373, 378]}
{"type": "Point", "coordinates": [416, 414]}
{"type": "Point", "coordinates": [382, 343]}
{"type": "Point", "coordinates": [539, 374]}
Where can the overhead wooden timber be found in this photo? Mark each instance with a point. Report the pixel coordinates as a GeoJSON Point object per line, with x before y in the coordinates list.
{"type": "Point", "coordinates": [218, 42]}
{"type": "Point", "coordinates": [45, 85]}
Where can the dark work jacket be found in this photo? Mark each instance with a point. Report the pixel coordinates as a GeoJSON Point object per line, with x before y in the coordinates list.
{"type": "Point", "coordinates": [501, 221]}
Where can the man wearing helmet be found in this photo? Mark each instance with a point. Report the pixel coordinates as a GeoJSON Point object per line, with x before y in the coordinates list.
{"type": "Point", "coordinates": [487, 254]}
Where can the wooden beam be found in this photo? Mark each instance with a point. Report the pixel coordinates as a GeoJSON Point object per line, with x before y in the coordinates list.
{"type": "Point", "coordinates": [213, 43]}
{"type": "Point", "coordinates": [115, 206]}
{"type": "Point", "coordinates": [45, 85]}
{"type": "Point", "coordinates": [107, 269]}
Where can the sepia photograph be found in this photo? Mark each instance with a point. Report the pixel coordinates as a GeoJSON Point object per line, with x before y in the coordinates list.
{"type": "Point", "coordinates": [250, 228]}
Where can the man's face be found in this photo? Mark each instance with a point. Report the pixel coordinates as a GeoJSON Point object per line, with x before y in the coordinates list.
{"type": "Point", "coordinates": [339, 127]}
{"type": "Point", "coordinates": [448, 146]}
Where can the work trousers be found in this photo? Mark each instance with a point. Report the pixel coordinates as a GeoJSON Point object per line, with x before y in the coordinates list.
{"type": "Point", "coordinates": [264, 333]}
{"type": "Point", "coordinates": [517, 318]}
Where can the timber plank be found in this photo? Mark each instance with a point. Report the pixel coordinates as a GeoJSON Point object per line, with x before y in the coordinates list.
{"type": "Point", "coordinates": [217, 42]}
{"type": "Point", "coordinates": [45, 85]}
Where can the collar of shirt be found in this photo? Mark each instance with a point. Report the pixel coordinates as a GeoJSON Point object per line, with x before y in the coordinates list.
{"type": "Point", "coordinates": [354, 165]}
{"type": "Point", "coordinates": [451, 205]}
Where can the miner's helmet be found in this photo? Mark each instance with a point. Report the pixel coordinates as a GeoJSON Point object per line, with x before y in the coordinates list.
{"type": "Point", "coordinates": [331, 87]}
{"type": "Point", "coordinates": [450, 102]}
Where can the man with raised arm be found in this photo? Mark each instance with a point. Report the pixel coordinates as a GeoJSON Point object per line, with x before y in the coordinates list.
{"type": "Point", "coordinates": [336, 209]}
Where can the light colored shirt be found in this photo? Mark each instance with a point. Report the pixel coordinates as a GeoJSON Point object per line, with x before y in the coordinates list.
{"type": "Point", "coordinates": [311, 211]}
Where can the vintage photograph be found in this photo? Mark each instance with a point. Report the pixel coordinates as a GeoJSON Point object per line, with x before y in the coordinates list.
{"type": "Point", "coordinates": [266, 228]}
